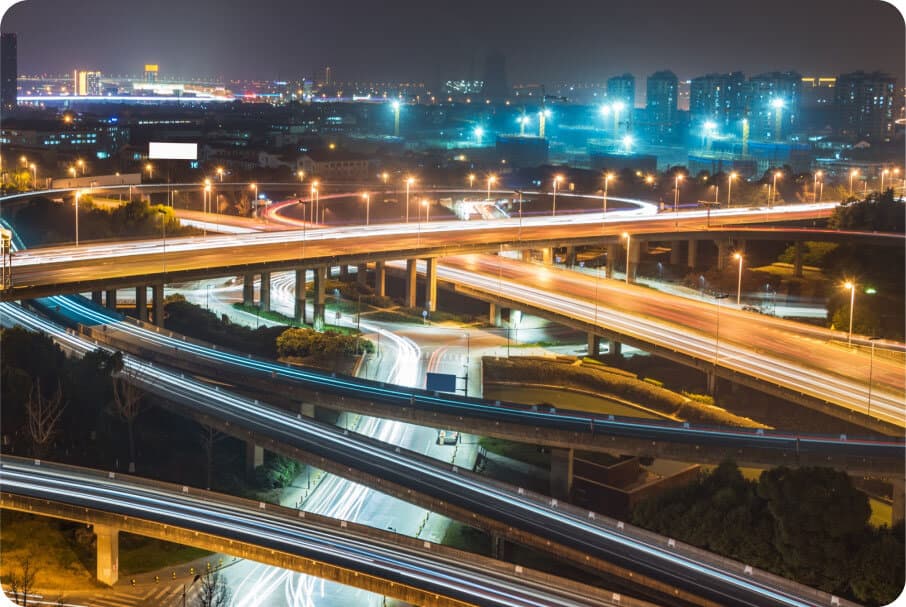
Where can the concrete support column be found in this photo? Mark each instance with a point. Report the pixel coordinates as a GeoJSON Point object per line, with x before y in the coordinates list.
{"type": "Point", "coordinates": [299, 307]}
{"type": "Point", "coordinates": [157, 304]}
{"type": "Point", "coordinates": [547, 256]}
{"type": "Point", "coordinates": [494, 315]}
{"type": "Point", "coordinates": [380, 279]}
{"type": "Point", "coordinates": [594, 345]}
{"type": "Point", "coordinates": [712, 382]}
{"type": "Point", "coordinates": [797, 259]}
{"type": "Point", "coordinates": [264, 300]}
{"type": "Point", "coordinates": [108, 554]}
{"type": "Point", "coordinates": [307, 409]}
{"type": "Point", "coordinates": [570, 256]}
{"type": "Point", "coordinates": [411, 278]}
{"type": "Point", "coordinates": [526, 255]}
{"type": "Point", "coordinates": [693, 249]}
{"type": "Point", "coordinates": [361, 274]}
{"type": "Point", "coordinates": [498, 547]}
{"type": "Point", "coordinates": [722, 246]}
{"type": "Point", "coordinates": [141, 302]}
{"type": "Point", "coordinates": [248, 290]}
{"type": "Point", "coordinates": [562, 473]}
{"type": "Point", "coordinates": [344, 272]}
{"type": "Point", "coordinates": [110, 299]}
{"type": "Point", "coordinates": [254, 457]}
{"type": "Point", "coordinates": [615, 348]}
{"type": "Point", "coordinates": [320, 297]}
{"type": "Point", "coordinates": [431, 285]}
{"type": "Point", "coordinates": [675, 252]}
{"type": "Point", "coordinates": [97, 297]}
{"type": "Point", "coordinates": [612, 251]}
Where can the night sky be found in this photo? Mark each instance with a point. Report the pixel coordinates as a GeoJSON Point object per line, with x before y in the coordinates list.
{"type": "Point", "coordinates": [428, 40]}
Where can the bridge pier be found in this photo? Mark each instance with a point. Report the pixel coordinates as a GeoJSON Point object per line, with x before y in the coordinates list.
{"type": "Point", "coordinates": [108, 554]}
{"type": "Point", "coordinates": [344, 272]}
{"type": "Point", "coordinates": [797, 259]}
{"type": "Point", "coordinates": [264, 298]}
{"type": "Point", "coordinates": [157, 304]}
{"type": "Point", "coordinates": [320, 297]}
{"type": "Point", "coordinates": [693, 248]}
{"type": "Point", "coordinates": [526, 255]}
{"type": "Point", "coordinates": [675, 252]}
{"type": "Point", "coordinates": [307, 409]}
{"type": "Point", "coordinates": [594, 345]}
{"type": "Point", "coordinates": [635, 248]}
{"type": "Point", "coordinates": [612, 250]}
{"type": "Point", "coordinates": [248, 290]}
{"type": "Point", "coordinates": [722, 246]}
{"type": "Point", "coordinates": [547, 256]}
{"type": "Point", "coordinates": [498, 547]}
{"type": "Point", "coordinates": [712, 382]}
{"type": "Point", "coordinates": [361, 274]}
{"type": "Point", "coordinates": [562, 473]}
{"type": "Point", "coordinates": [411, 282]}
{"type": "Point", "coordinates": [380, 279]}
{"type": "Point", "coordinates": [141, 302]}
{"type": "Point", "coordinates": [254, 457]}
{"type": "Point", "coordinates": [299, 297]}
{"type": "Point", "coordinates": [494, 315]}
{"type": "Point", "coordinates": [97, 297]}
{"type": "Point", "coordinates": [110, 299]}
{"type": "Point", "coordinates": [431, 284]}
{"type": "Point", "coordinates": [898, 509]}
{"type": "Point", "coordinates": [570, 256]}
{"type": "Point", "coordinates": [615, 348]}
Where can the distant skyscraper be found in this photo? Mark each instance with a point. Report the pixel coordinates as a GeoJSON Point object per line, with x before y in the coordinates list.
{"type": "Point", "coordinates": [865, 105]}
{"type": "Point", "coordinates": [719, 98]}
{"type": "Point", "coordinates": [495, 84]}
{"type": "Point", "coordinates": [151, 70]}
{"type": "Point", "coordinates": [622, 88]}
{"type": "Point", "coordinates": [661, 99]}
{"type": "Point", "coordinates": [774, 104]}
{"type": "Point", "coordinates": [86, 83]}
{"type": "Point", "coordinates": [9, 66]}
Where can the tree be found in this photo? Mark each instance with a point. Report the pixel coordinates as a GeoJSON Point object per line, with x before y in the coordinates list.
{"type": "Point", "coordinates": [127, 404]}
{"type": "Point", "coordinates": [243, 206]}
{"type": "Point", "coordinates": [22, 583]}
{"type": "Point", "coordinates": [214, 590]}
{"type": "Point", "coordinates": [43, 415]}
{"type": "Point", "coordinates": [208, 438]}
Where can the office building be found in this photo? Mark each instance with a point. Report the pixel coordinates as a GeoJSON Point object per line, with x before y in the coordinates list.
{"type": "Point", "coordinates": [9, 66]}
{"type": "Point", "coordinates": [661, 104]}
{"type": "Point", "coordinates": [865, 105]}
{"type": "Point", "coordinates": [622, 88]}
{"type": "Point", "coordinates": [86, 83]}
{"type": "Point", "coordinates": [151, 70]}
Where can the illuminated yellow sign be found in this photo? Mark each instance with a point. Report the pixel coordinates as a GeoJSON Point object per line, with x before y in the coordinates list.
{"type": "Point", "coordinates": [151, 67]}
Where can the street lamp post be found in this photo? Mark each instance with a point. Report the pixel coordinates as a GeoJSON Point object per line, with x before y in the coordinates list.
{"type": "Point", "coordinates": [301, 175]}
{"type": "Point", "coordinates": [884, 174]}
{"type": "Point", "coordinates": [77, 195]}
{"type": "Point", "coordinates": [628, 242]}
{"type": "Point", "coordinates": [163, 230]}
{"type": "Point", "coordinates": [520, 213]}
{"type": "Point", "coordinates": [815, 189]}
{"type": "Point", "coordinates": [852, 173]}
{"type": "Point", "coordinates": [491, 180]}
{"type": "Point", "coordinates": [557, 180]}
{"type": "Point", "coordinates": [150, 168]}
{"type": "Point", "coordinates": [34, 171]}
{"type": "Point", "coordinates": [679, 177]}
{"type": "Point", "coordinates": [427, 204]}
{"type": "Point", "coordinates": [773, 197]}
{"type": "Point", "coordinates": [471, 180]}
{"type": "Point", "coordinates": [738, 257]}
{"type": "Point", "coordinates": [205, 203]}
{"type": "Point", "coordinates": [220, 172]}
{"type": "Point", "coordinates": [81, 164]}
{"type": "Point", "coordinates": [730, 179]}
{"type": "Point", "coordinates": [852, 300]}
{"type": "Point", "coordinates": [607, 179]}
{"type": "Point", "coordinates": [871, 364]}
{"type": "Point", "coordinates": [718, 297]}
{"type": "Point", "coordinates": [367, 198]}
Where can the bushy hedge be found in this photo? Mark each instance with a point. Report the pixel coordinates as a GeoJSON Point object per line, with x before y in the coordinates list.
{"type": "Point", "coordinates": [302, 343]}
{"type": "Point", "coordinates": [194, 321]}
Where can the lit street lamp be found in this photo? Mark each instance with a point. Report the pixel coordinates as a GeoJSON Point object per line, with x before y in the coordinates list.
{"type": "Point", "coordinates": [884, 174]}
{"type": "Point", "coordinates": [385, 176]}
{"type": "Point", "coordinates": [367, 198]}
{"type": "Point", "coordinates": [471, 180]}
{"type": "Point", "coordinates": [852, 300]}
{"type": "Point", "coordinates": [301, 175]}
{"type": "Point", "coordinates": [396, 118]}
{"type": "Point", "coordinates": [679, 177]}
{"type": "Point", "coordinates": [818, 174]}
{"type": "Point", "coordinates": [773, 197]}
{"type": "Point", "coordinates": [607, 179]}
{"type": "Point", "coordinates": [150, 168]}
{"type": "Point", "coordinates": [491, 180]}
{"type": "Point", "coordinates": [427, 204]}
{"type": "Point", "coordinates": [34, 172]}
{"type": "Point", "coordinates": [77, 195]}
{"type": "Point", "coordinates": [628, 241]}
{"type": "Point", "coordinates": [72, 171]}
{"type": "Point", "coordinates": [852, 173]}
{"type": "Point", "coordinates": [557, 181]}
{"type": "Point", "coordinates": [220, 173]}
{"type": "Point", "coordinates": [730, 179]}
{"type": "Point", "coordinates": [81, 164]}
{"type": "Point", "coordinates": [738, 257]}
{"type": "Point", "coordinates": [777, 104]}
{"type": "Point", "coordinates": [871, 364]}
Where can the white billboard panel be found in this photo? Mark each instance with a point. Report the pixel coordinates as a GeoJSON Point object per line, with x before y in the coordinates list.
{"type": "Point", "coordinates": [172, 151]}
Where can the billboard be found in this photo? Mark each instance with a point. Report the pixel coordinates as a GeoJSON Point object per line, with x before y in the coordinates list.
{"type": "Point", "coordinates": [172, 151]}
{"type": "Point", "coordinates": [441, 382]}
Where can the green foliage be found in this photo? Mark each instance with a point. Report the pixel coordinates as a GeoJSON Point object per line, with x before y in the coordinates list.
{"type": "Point", "coordinates": [808, 524]}
{"type": "Point", "coordinates": [194, 321]}
{"type": "Point", "coordinates": [877, 213]}
{"type": "Point", "coordinates": [302, 343]}
{"type": "Point", "coordinates": [813, 253]}
{"type": "Point", "coordinates": [277, 472]}
{"type": "Point", "coordinates": [44, 221]}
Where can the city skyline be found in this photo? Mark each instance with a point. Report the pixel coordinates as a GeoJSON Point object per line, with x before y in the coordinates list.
{"type": "Point", "coordinates": [578, 43]}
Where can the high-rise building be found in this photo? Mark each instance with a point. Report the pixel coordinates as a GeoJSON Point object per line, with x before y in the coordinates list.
{"type": "Point", "coordinates": [151, 70]}
{"type": "Point", "coordinates": [661, 103]}
{"type": "Point", "coordinates": [719, 98]}
{"type": "Point", "coordinates": [9, 66]}
{"type": "Point", "coordinates": [622, 88]}
{"type": "Point", "coordinates": [865, 105]}
{"type": "Point", "coordinates": [86, 83]}
{"type": "Point", "coordinates": [773, 102]}
{"type": "Point", "coordinates": [495, 84]}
